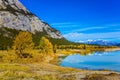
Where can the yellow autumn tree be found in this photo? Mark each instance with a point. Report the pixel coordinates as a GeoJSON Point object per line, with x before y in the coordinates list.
{"type": "Point", "coordinates": [55, 48]}
{"type": "Point", "coordinates": [46, 46]}
{"type": "Point", "coordinates": [22, 42]}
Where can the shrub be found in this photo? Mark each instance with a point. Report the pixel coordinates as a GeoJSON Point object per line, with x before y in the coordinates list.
{"type": "Point", "coordinates": [95, 77]}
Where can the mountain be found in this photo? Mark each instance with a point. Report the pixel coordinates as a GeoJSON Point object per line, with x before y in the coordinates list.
{"type": "Point", "coordinates": [14, 15]}
{"type": "Point", "coordinates": [100, 42]}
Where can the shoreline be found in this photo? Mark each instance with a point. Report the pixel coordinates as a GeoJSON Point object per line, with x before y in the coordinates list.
{"type": "Point", "coordinates": [41, 70]}
{"type": "Point", "coordinates": [78, 51]}
{"type": "Point", "coordinates": [113, 49]}
{"type": "Point", "coordinates": [106, 50]}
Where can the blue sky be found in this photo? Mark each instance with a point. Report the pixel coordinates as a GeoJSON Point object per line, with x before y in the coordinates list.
{"type": "Point", "coordinates": [80, 19]}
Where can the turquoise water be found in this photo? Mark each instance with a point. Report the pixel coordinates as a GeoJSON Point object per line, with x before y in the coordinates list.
{"type": "Point", "coordinates": [96, 61]}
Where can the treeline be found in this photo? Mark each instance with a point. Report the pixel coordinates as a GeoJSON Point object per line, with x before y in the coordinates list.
{"type": "Point", "coordinates": [83, 46]}
{"type": "Point", "coordinates": [7, 36]}
{"type": "Point", "coordinates": [24, 49]}
{"type": "Point", "coordinates": [24, 46]}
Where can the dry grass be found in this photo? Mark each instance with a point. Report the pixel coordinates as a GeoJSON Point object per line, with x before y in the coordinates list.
{"type": "Point", "coordinates": [27, 69]}
{"type": "Point", "coordinates": [33, 72]}
{"type": "Point", "coordinates": [95, 77]}
{"type": "Point", "coordinates": [45, 71]}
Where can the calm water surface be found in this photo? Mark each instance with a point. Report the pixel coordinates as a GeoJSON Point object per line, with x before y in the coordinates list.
{"type": "Point", "coordinates": [96, 61]}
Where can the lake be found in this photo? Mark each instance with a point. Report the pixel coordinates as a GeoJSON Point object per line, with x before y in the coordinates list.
{"type": "Point", "coordinates": [95, 61]}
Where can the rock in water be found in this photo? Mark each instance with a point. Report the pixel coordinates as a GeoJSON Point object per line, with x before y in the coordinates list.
{"type": "Point", "coordinates": [14, 15]}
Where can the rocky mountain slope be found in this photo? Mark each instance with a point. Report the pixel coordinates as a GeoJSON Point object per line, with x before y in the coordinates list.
{"type": "Point", "coordinates": [14, 15]}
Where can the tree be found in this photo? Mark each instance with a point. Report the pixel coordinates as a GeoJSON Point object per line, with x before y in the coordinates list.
{"type": "Point", "coordinates": [22, 42]}
{"type": "Point", "coordinates": [46, 46]}
{"type": "Point", "coordinates": [55, 48]}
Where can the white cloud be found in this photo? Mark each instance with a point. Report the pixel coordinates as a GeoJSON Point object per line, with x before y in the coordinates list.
{"type": "Point", "coordinates": [88, 28]}
{"type": "Point", "coordinates": [76, 26]}
{"type": "Point", "coordinates": [74, 31]}
{"type": "Point", "coordinates": [81, 36]}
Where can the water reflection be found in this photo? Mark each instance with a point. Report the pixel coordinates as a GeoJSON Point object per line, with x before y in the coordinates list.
{"type": "Point", "coordinates": [96, 61]}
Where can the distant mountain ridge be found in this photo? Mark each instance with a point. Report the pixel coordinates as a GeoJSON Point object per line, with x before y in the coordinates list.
{"type": "Point", "coordinates": [15, 16]}
{"type": "Point", "coordinates": [100, 42]}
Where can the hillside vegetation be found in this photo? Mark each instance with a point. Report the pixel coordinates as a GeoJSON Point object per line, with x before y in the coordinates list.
{"type": "Point", "coordinates": [7, 36]}
{"type": "Point", "coordinates": [27, 56]}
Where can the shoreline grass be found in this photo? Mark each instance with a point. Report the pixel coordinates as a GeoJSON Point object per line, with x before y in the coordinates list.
{"type": "Point", "coordinates": [44, 71]}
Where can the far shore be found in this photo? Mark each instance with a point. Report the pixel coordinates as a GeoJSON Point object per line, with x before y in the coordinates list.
{"type": "Point", "coordinates": [113, 49]}
{"type": "Point", "coordinates": [79, 51]}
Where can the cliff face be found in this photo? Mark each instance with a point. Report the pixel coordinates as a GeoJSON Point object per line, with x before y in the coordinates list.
{"type": "Point", "coordinates": [14, 15]}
